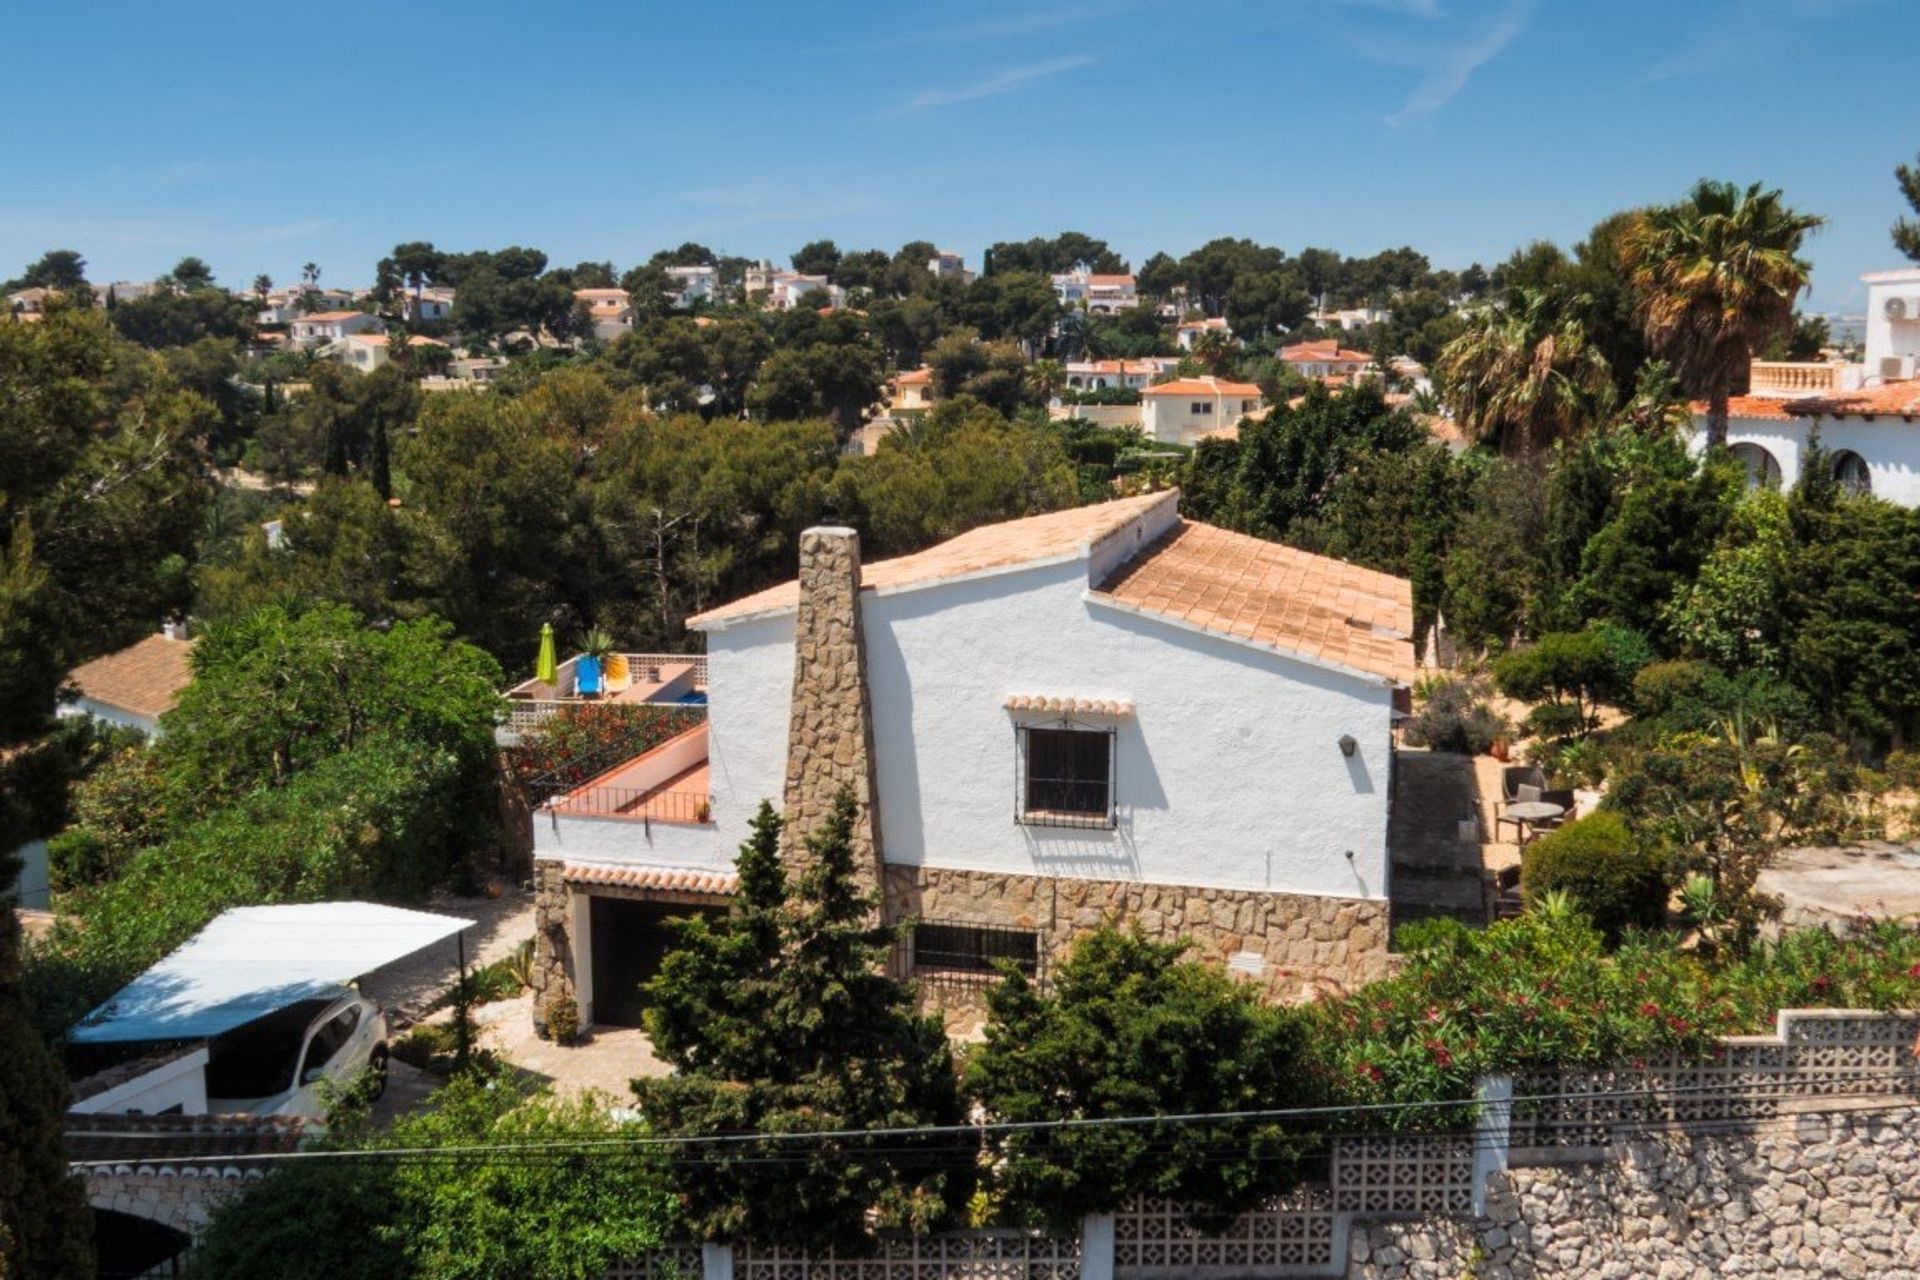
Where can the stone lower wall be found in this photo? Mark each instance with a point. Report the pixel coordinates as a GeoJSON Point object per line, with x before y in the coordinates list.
{"type": "Point", "coordinates": [1305, 945]}
{"type": "Point", "coordinates": [1816, 1194]}
{"type": "Point", "coordinates": [181, 1198]}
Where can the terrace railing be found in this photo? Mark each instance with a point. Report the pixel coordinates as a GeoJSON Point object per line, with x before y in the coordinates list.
{"type": "Point", "coordinates": [650, 804]}
{"type": "Point", "coordinates": [531, 703]}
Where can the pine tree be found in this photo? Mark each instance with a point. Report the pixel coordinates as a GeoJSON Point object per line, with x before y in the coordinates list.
{"type": "Point", "coordinates": [780, 1018]}
{"type": "Point", "coordinates": [46, 1229]}
{"type": "Point", "coordinates": [1906, 231]}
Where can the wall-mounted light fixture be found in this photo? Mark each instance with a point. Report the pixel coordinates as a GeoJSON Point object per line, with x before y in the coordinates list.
{"type": "Point", "coordinates": [1347, 745]}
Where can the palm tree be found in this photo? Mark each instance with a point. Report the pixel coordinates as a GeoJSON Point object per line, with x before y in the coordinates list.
{"type": "Point", "coordinates": [1046, 378]}
{"type": "Point", "coordinates": [1527, 373]}
{"type": "Point", "coordinates": [1714, 279]}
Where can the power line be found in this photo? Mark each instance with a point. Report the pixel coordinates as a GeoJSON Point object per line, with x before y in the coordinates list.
{"type": "Point", "coordinates": [568, 1146]}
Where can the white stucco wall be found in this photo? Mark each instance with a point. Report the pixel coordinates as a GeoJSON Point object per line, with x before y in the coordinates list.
{"type": "Point", "coordinates": [180, 1082]}
{"type": "Point", "coordinates": [1228, 774]}
{"type": "Point", "coordinates": [586, 838]}
{"type": "Point", "coordinates": [111, 715]}
{"type": "Point", "coordinates": [1887, 337]}
{"type": "Point", "coordinates": [1889, 445]}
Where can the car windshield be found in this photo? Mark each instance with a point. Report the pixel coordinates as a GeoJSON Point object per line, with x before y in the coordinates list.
{"type": "Point", "coordinates": [257, 1060]}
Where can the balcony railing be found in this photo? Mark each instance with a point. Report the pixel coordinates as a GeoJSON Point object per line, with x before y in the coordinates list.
{"type": "Point", "coordinates": [648, 804]}
{"type": "Point", "coordinates": [531, 702]}
{"type": "Point", "coordinates": [1794, 378]}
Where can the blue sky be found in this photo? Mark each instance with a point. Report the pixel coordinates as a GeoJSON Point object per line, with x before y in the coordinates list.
{"type": "Point", "coordinates": [261, 136]}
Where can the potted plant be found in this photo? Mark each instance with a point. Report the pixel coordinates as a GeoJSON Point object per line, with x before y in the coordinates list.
{"type": "Point", "coordinates": [589, 675]}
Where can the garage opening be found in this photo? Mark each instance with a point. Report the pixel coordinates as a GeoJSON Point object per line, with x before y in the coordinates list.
{"type": "Point", "coordinates": [630, 939]}
{"type": "Point", "coordinates": [127, 1247]}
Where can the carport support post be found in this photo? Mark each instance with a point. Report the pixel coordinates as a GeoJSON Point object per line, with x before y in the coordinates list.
{"type": "Point", "coordinates": [1096, 1247]}
{"type": "Point", "coordinates": [462, 1007]}
{"type": "Point", "coordinates": [716, 1261]}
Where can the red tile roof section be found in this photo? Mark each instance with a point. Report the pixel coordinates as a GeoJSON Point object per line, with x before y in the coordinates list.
{"type": "Point", "coordinates": [144, 678]}
{"type": "Point", "coordinates": [718, 884]}
{"type": "Point", "coordinates": [1246, 588]}
{"type": "Point", "coordinates": [1006, 545]}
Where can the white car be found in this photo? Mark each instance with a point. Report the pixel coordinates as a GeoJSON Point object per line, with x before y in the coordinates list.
{"type": "Point", "coordinates": [283, 1064]}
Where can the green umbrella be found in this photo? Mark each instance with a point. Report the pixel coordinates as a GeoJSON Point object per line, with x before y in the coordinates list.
{"type": "Point", "coordinates": [545, 669]}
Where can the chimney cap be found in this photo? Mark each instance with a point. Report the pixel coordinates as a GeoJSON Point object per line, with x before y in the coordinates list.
{"type": "Point", "coordinates": [831, 531]}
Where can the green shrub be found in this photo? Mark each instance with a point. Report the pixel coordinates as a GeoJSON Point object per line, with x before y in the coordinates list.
{"type": "Point", "coordinates": [1132, 1028]}
{"type": "Point", "coordinates": [562, 1019]}
{"type": "Point", "coordinates": [1612, 876]}
{"type": "Point", "coordinates": [1555, 720]}
{"type": "Point", "coordinates": [1453, 715]}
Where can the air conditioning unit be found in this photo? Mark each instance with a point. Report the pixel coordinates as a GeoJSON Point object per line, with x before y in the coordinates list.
{"type": "Point", "coordinates": [1900, 307]}
{"type": "Point", "coordinates": [1896, 368]}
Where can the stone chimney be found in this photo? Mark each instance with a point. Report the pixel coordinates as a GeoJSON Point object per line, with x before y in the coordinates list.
{"type": "Point", "coordinates": [830, 733]}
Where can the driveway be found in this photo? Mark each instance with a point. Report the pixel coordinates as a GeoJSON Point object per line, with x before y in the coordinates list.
{"type": "Point", "coordinates": [407, 987]}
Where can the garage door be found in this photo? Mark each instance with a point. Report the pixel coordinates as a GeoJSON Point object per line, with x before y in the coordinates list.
{"type": "Point", "coordinates": [629, 941]}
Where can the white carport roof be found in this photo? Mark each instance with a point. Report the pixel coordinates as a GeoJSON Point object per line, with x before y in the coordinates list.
{"type": "Point", "coordinates": [253, 960]}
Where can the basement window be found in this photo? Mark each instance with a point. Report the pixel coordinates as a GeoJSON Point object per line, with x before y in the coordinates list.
{"type": "Point", "coordinates": [1064, 777]}
{"type": "Point", "coordinates": [946, 951]}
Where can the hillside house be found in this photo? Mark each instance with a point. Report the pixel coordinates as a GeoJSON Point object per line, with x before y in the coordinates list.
{"type": "Point", "coordinates": [1100, 295]}
{"type": "Point", "coordinates": [1098, 375]}
{"type": "Point", "coordinates": [695, 285]}
{"type": "Point", "coordinates": [610, 310]}
{"type": "Point", "coordinates": [134, 686]}
{"type": "Point", "coordinates": [1867, 416]}
{"type": "Point", "coordinates": [1324, 359]}
{"type": "Point", "coordinates": [1187, 409]}
{"type": "Point", "coordinates": [1102, 713]}
{"type": "Point", "coordinates": [322, 328]}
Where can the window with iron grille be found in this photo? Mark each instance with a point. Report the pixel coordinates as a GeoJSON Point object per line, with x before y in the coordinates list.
{"type": "Point", "coordinates": [1065, 776]}
{"type": "Point", "coordinates": [949, 951]}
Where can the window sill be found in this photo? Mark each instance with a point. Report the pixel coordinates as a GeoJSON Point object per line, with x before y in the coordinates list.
{"type": "Point", "coordinates": [1061, 818]}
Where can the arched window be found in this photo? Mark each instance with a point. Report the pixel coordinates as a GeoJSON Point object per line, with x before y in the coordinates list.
{"type": "Point", "coordinates": [1763, 472]}
{"type": "Point", "coordinates": [1850, 471]}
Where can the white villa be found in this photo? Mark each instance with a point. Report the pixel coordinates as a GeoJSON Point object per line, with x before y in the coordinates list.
{"type": "Point", "coordinates": [324, 327]}
{"type": "Point", "coordinates": [1188, 409]}
{"type": "Point", "coordinates": [1096, 375]}
{"type": "Point", "coordinates": [1188, 332]}
{"type": "Point", "coordinates": [948, 265]}
{"type": "Point", "coordinates": [696, 284]}
{"type": "Point", "coordinates": [1101, 295]}
{"type": "Point", "coordinates": [1867, 416]}
{"type": "Point", "coordinates": [610, 310]}
{"type": "Point", "coordinates": [369, 351]}
{"type": "Point", "coordinates": [1102, 713]}
{"type": "Point", "coordinates": [1324, 359]}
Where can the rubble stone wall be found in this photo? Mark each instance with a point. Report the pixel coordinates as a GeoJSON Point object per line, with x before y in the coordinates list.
{"type": "Point", "coordinates": [1818, 1194]}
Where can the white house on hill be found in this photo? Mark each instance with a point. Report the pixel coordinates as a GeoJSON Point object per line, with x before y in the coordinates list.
{"type": "Point", "coordinates": [1867, 417]}
{"type": "Point", "coordinates": [1186, 410]}
{"type": "Point", "coordinates": [1101, 713]}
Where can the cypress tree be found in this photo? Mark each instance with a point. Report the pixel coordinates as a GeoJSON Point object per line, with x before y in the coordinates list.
{"type": "Point", "coordinates": [46, 1229]}
{"type": "Point", "coordinates": [781, 1018]}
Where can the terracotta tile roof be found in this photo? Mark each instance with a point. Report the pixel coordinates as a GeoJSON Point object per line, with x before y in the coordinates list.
{"type": "Point", "coordinates": [1321, 352]}
{"type": "Point", "coordinates": [1204, 387]}
{"type": "Point", "coordinates": [1151, 365]}
{"type": "Point", "coordinates": [1118, 281]}
{"type": "Point", "coordinates": [144, 678]}
{"type": "Point", "coordinates": [1902, 398]}
{"type": "Point", "coordinates": [914, 378]}
{"type": "Point", "coordinates": [609, 295]}
{"type": "Point", "coordinates": [159, 1140]}
{"type": "Point", "coordinates": [666, 879]}
{"type": "Point", "coordinates": [328, 317]}
{"type": "Point", "coordinates": [993, 546]}
{"type": "Point", "coordinates": [1246, 588]}
{"type": "Point", "coordinates": [1748, 407]}
{"type": "Point", "coordinates": [381, 339]}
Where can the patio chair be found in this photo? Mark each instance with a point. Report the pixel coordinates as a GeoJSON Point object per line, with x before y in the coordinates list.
{"type": "Point", "coordinates": [1507, 902]}
{"type": "Point", "coordinates": [1518, 784]}
{"type": "Point", "coordinates": [1562, 796]}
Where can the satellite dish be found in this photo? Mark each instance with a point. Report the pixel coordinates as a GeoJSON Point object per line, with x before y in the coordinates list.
{"type": "Point", "coordinates": [1896, 308]}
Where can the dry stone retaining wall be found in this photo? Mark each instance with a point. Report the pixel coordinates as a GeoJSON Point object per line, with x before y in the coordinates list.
{"type": "Point", "coordinates": [1814, 1195]}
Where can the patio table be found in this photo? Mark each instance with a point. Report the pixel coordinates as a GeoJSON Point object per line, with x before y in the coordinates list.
{"type": "Point", "coordinates": [1530, 813]}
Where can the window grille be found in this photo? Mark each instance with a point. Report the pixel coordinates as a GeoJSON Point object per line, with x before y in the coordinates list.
{"type": "Point", "coordinates": [954, 953]}
{"type": "Point", "coordinates": [1063, 776]}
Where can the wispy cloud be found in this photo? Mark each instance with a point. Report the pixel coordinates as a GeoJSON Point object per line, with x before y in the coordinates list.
{"type": "Point", "coordinates": [998, 83]}
{"type": "Point", "coordinates": [1429, 9]}
{"type": "Point", "coordinates": [288, 231]}
{"type": "Point", "coordinates": [1742, 32]}
{"type": "Point", "coordinates": [1012, 25]}
{"type": "Point", "coordinates": [1455, 65]}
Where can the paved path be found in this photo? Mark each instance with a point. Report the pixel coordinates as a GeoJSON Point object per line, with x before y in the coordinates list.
{"type": "Point", "coordinates": [1435, 871]}
{"type": "Point", "coordinates": [407, 987]}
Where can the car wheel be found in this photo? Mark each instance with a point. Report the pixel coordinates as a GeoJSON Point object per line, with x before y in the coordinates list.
{"type": "Point", "coordinates": [377, 1064]}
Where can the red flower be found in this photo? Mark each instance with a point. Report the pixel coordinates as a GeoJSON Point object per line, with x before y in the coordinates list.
{"type": "Point", "coordinates": [1442, 1056]}
{"type": "Point", "coordinates": [1649, 1010]}
{"type": "Point", "coordinates": [1823, 984]}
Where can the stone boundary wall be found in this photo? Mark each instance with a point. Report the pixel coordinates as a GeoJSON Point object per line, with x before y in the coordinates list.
{"type": "Point", "coordinates": [1820, 1194]}
{"type": "Point", "coordinates": [1795, 1154]}
{"type": "Point", "coordinates": [1303, 945]}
